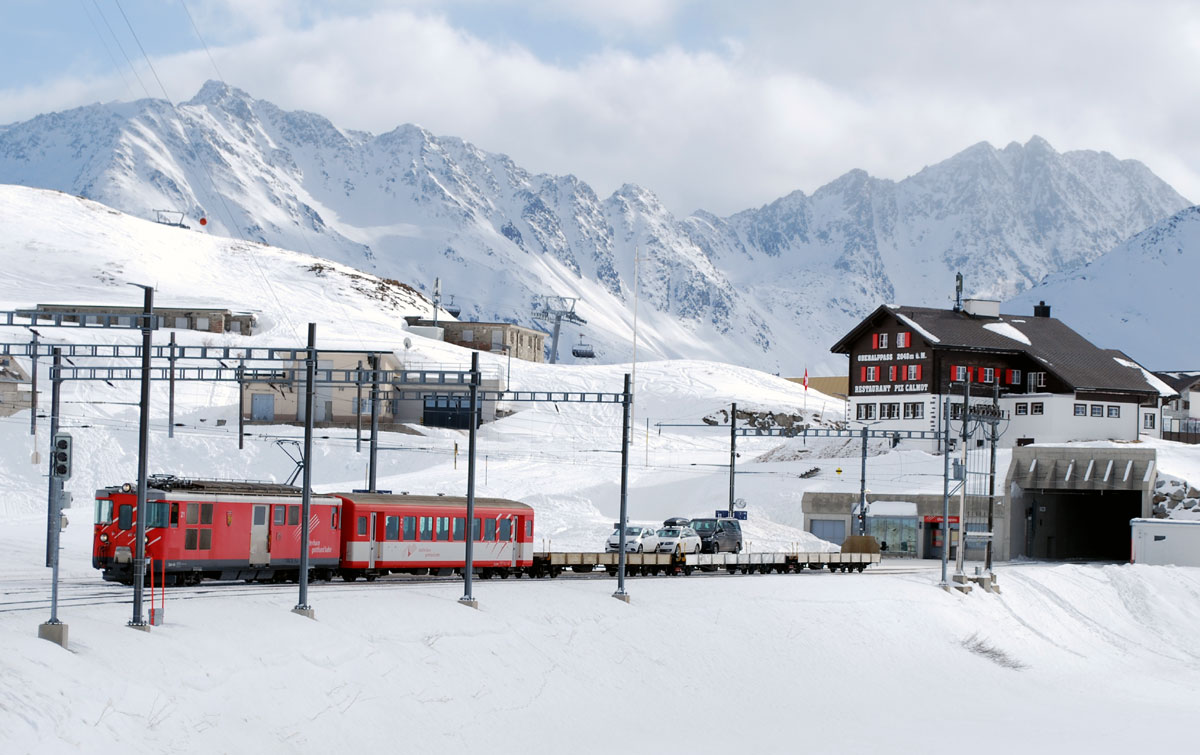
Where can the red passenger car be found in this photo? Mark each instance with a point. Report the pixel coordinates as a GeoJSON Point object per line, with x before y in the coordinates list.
{"type": "Point", "coordinates": [416, 533]}
{"type": "Point", "coordinates": [215, 529]}
{"type": "Point", "coordinates": [226, 530]}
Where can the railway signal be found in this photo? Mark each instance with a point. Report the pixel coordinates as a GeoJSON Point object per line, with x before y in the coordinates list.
{"type": "Point", "coordinates": [60, 469]}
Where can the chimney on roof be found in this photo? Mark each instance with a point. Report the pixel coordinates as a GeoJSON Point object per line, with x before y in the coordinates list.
{"type": "Point", "coordinates": [1041, 309]}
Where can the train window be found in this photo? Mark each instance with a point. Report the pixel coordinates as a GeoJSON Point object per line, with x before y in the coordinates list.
{"type": "Point", "coordinates": [104, 512]}
{"type": "Point", "coordinates": [489, 530]}
{"type": "Point", "coordinates": [293, 515]}
{"type": "Point", "coordinates": [260, 516]}
{"type": "Point", "coordinates": [362, 525]}
{"type": "Point", "coordinates": [475, 530]}
{"type": "Point", "coordinates": [426, 528]}
{"type": "Point", "coordinates": [193, 513]}
{"type": "Point", "coordinates": [505, 530]}
{"type": "Point", "coordinates": [393, 528]}
{"type": "Point", "coordinates": [410, 528]}
{"type": "Point", "coordinates": [125, 517]}
{"type": "Point", "coordinates": [206, 513]}
{"type": "Point", "coordinates": [333, 519]}
{"type": "Point", "coordinates": [529, 528]}
{"type": "Point", "coordinates": [205, 540]}
{"type": "Point", "coordinates": [460, 524]}
{"type": "Point", "coordinates": [175, 515]}
{"type": "Point", "coordinates": [189, 539]}
{"type": "Point", "coordinates": [280, 514]}
{"type": "Point", "coordinates": [156, 514]}
{"type": "Point", "coordinates": [443, 528]}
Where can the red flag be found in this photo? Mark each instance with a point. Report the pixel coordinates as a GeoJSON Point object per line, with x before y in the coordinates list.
{"type": "Point", "coordinates": [806, 378]}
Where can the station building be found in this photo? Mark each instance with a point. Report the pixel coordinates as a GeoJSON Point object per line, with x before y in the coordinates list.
{"type": "Point", "coordinates": [1053, 387]}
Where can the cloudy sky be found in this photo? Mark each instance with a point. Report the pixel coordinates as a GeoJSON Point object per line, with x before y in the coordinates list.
{"type": "Point", "coordinates": [714, 105]}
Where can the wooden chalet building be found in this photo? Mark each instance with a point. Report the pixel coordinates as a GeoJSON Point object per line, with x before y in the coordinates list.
{"type": "Point", "coordinates": [1054, 385]}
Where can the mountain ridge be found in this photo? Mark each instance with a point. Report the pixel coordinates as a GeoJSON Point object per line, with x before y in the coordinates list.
{"type": "Point", "coordinates": [770, 287]}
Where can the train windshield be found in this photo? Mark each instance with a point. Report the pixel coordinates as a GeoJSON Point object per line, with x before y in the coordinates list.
{"type": "Point", "coordinates": [104, 511]}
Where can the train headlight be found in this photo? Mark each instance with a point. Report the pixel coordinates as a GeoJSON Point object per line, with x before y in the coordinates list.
{"type": "Point", "coordinates": [127, 487]}
{"type": "Point", "coordinates": [104, 537]}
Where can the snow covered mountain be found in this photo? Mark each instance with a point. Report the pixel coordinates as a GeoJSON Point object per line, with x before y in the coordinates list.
{"type": "Point", "coordinates": [1139, 297]}
{"type": "Point", "coordinates": [771, 287]}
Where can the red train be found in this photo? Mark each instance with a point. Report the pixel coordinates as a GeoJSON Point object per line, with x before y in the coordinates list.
{"type": "Point", "coordinates": [212, 529]}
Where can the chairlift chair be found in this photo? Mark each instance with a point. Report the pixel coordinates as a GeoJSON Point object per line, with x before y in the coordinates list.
{"type": "Point", "coordinates": [583, 350]}
{"type": "Point", "coordinates": [453, 309]}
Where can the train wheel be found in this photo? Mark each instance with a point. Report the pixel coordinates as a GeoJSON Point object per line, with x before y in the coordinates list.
{"type": "Point", "coordinates": [687, 571]}
{"type": "Point", "coordinates": [372, 577]}
{"type": "Point", "coordinates": [504, 574]}
{"type": "Point", "coordinates": [349, 576]}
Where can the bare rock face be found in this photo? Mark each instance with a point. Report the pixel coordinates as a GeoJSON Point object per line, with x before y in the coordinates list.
{"type": "Point", "coordinates": [1176, 494]}
{"type": "Point", "coordinates": [1159, 498]}
{"type": "Point", "coordinates": [1193, 492]}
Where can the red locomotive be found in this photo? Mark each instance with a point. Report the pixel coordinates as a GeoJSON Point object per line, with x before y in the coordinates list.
{"type": "Point", "coordinates": [251, 531]}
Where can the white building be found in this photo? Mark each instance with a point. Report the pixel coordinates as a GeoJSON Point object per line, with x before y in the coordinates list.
{"type": "Point", "coordinates": [1053, 384]}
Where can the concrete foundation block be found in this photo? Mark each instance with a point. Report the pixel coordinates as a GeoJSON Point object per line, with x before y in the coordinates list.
{"type": "Point", "coordinates": [468, 602]}
{"type": "Point", "coordinates": [305, 611]}
{"type": "Point", "coordinates": [56, 633]}
{"type": "Point", "coordinates": [621, 596]}
{"type": "Point", "coordinates": [141, 626]}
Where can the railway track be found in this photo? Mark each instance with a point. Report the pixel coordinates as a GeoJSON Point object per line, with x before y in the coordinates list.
{"type": "Point", "coordinates": [83, 593]}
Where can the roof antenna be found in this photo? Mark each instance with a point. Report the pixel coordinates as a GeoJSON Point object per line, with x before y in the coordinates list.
{"type": "Point", "coordinates": [958, 292]}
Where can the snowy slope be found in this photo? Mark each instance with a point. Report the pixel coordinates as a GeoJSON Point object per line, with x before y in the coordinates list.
{"type": "Point", "coordinates": [771, 287]}
{"type": "Point", "coordinates": [1151, 278]}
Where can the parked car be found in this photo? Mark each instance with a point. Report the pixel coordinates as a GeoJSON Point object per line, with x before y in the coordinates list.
{"type": "Point", "coordinates": [717, 535]}
{"type": "Point", "coordinates": [678, 540]}
{"type": "Point", "coordinates": [637, 539]}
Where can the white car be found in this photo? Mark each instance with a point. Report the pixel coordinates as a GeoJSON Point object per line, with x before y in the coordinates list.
{"type": "Point", "coordinates": [637, 539]}
{"type": "Point", "coordinates": [678, 540]}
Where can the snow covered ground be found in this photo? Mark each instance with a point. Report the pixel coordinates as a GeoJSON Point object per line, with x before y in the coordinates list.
{"type": "Point", "coordinates": [1071, 657]}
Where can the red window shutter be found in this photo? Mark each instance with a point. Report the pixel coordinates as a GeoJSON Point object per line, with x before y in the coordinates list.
{"type": "Point", "coordinates": [874, 340]}
{"type": "Point", "coordinates": [908, 339]}
{"type": "Point", "coordinates": [954, 372]}
{"type": "Point", "coordinates": [918, 372]}
{"type": "Point", "coordinates": [863, 379]}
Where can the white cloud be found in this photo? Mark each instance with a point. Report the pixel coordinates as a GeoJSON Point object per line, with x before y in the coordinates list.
{"type": "Point", "coordinates": [786, 97]}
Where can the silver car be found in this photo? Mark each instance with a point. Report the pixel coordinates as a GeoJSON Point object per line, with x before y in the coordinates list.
{"type": "Point", "coordinates": [637, 540]}
{"type": "Point", "coordinates": [678, 540]}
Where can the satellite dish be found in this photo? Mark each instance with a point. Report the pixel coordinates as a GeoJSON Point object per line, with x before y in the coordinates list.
{"type": "Point", "coordinates": [740, 503]}
{"type": "Point", "coordinates": [407, 343]}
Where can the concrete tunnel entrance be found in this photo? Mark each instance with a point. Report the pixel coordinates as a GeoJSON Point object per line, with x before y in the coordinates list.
{"type": "Point", "coordinates": [1064, 525]}
{"type": "Point", "coordinates": [1073, 503]}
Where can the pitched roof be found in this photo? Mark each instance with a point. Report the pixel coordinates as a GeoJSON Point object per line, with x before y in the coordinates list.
{"type": "Point", "coordinates": [1180, 380]}
{"type": "Point", "coordinates": [1046, 340]}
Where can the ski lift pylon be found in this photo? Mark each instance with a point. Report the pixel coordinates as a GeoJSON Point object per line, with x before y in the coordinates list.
{"type": "Point", "coordinates": [583, 350]}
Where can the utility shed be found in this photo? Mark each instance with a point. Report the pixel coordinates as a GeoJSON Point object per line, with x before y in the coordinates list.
{"type": "Point", "coordinates": [1165, 542]}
